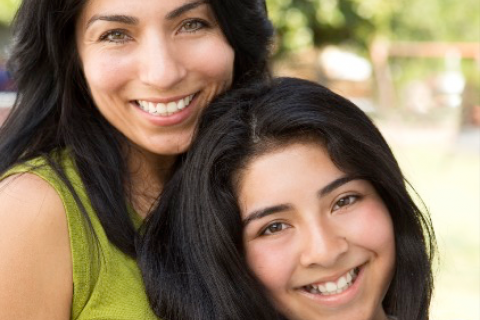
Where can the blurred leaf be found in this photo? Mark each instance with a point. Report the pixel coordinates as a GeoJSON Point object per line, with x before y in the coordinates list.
{"type": "Point", "coordinates": [7, 10]}
{"type": "Point", "coordinates": [303, 23]}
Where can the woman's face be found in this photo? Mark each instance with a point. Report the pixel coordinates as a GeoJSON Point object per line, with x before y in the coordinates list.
{"type": "Point", "coordinates": [152, 66]}
{"type": "Point", "coordinates": [320, 241]}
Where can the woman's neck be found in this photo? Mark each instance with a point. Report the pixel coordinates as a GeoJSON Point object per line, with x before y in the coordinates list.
{"type": "Point", "coordinates": [148, 174]}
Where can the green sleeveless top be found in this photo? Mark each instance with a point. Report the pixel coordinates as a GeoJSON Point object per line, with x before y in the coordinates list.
{"type": "Point", "coordinates": [107, 284]}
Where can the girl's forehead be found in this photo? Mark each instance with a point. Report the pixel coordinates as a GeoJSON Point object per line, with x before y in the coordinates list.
{"type": "Point", "coordinates": [271, 147]}
{"type": "Point", "coordinates": [284, 158]}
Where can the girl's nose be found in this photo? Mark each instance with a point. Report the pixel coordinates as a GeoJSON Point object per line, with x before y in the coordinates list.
{"type": "Point", "coordinates": [161, 67]}
{"type": "Point", "coordinates": [322, 245]}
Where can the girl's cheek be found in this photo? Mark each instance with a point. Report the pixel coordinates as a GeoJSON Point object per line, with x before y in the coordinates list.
{"type": "Point", "coordinates": [271, 264]}
{"type": "Point", "coordinates": [373, 216]}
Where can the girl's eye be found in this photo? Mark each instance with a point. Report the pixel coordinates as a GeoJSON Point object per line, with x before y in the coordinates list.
{"type": "Point", "coordinates": [115, 36]}
{"type": "Point", "coordinates": [193, 25]}
{"type": "Point", "coordinates": [345, 201]}
{"type": "Point", "coordinates": [274, 228]}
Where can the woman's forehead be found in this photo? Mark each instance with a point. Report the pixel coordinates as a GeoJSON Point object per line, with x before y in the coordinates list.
{"type": "Point", "coordinates": [166, 9]}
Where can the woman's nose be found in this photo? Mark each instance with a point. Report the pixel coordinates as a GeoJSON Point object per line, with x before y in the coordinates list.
{"type": "Point", "coordinates": [161, 66]}
{"type": "Point", "coordinates": [322, 245]}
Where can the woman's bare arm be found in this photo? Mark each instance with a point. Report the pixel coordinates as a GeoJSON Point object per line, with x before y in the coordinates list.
{"type": "Point", "coordinates": [35, 260]}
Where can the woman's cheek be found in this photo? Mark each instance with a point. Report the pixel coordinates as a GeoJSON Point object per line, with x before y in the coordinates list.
{"type": "Point", "coordinates": [213, 56]}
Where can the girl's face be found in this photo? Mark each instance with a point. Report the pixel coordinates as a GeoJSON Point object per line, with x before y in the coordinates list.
{"type": "Point", "coordinates": [319, 240]}
{"type": "Point", "coordinates": [152, 66]}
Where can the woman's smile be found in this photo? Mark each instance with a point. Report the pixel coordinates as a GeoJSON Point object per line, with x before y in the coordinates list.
{"type": "Point", "coordinates": [152, 69]}
{"type": "Point", "coordinates": [165, 108]}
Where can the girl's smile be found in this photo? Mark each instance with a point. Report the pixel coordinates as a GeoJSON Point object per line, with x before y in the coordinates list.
{"type": "Point", "coordinates": [321, 241]}
{"type": "Point", "coordinates": [335, 285]}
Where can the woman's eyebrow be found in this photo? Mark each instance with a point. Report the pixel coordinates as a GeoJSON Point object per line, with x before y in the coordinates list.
{"type": "Point", "coordinates": [258, 214]}
{"type": "Point", "coordinates": [184, 8]}
{"type": "Point", "coordinates": [112, 18]}
{"type": "Point", "coordinates": [133, 20]}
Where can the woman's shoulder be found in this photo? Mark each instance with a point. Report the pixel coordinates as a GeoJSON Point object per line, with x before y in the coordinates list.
{"type": "Point", "coordinates": [36, 263]}
{"type": "Point", "coordinates": [55, 172]}
{"type": "Point", "coordinates": [30, 206]}
{"type": "Point", "coordinates": [29, 194]}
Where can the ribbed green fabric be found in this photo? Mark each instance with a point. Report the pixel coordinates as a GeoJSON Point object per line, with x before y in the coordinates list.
{"type": "Point", "coordinates": [107, 283]}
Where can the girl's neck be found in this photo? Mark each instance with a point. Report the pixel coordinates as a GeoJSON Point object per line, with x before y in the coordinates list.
{"type": "Point", "coordinates": [148, 174]}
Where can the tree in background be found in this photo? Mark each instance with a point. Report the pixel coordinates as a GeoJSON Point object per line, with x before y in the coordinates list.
{"type": "Point", "coordinates": [305, 23]}
{"type": "Point", "coordinates": [7, 10]}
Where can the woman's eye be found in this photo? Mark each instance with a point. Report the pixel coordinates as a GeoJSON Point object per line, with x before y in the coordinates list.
{"type": "Point", "coordinates": [116, 36]}
{"type": "Point", "coordinates": [345, 201]}
{"type": "Point", "coordinates": [274, 228]}
{"type": "Point", "coordinates": [193, 25]}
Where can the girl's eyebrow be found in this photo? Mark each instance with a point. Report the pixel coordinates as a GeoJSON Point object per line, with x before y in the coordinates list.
{"type": "Point", "coordinates": [133, 20]}
{"type": "Point", "coordinates": [258, 214]}
{"type": "Point", "coordinates": [336, 184]}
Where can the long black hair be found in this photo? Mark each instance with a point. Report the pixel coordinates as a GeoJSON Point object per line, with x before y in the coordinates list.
{"type": "Point", "coordinates": [54, 109]}
{"type": "Point", "coordinates": [192, 255]}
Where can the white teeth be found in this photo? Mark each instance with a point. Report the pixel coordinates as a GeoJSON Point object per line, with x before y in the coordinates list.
{"type": "Point", "coordinates": [162, 109]}
{"type": "Point", "coordinates": [171, 107]}
{"type": "Point", "coordinates": [349, 277]}
{"type": "Point", "coordinates": [329, 288]}
{"type": "Point", "coordinates": [144, 105]}
{"type": "Point", "coordinates": [181, 104]}
{"type": "Point", "coordinates": [152, 108]}
{"type": "Point", "coordinates": [342, 282]}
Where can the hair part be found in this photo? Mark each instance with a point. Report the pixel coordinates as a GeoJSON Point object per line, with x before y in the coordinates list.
{"type": "Point", "coordinates": [192, 254]}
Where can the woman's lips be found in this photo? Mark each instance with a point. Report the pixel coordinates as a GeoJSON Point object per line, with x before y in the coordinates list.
{"type": "Point", "coordinates": [176, 115]}
{"type": "Point", "coordinates": [166, 109]}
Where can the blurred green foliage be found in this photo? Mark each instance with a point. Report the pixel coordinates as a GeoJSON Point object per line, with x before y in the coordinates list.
{"type": "Point", "coordinates": [303, 23]}
{"type": "Point", "coordinates": [7, 10]}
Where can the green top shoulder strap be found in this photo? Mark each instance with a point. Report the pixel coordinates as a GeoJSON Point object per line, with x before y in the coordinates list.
{"type": "Point", "coordinates": [107, 283]}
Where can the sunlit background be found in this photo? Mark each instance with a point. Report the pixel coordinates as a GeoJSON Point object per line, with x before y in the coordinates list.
{"type": "Point", "coordinates": [414, 67]}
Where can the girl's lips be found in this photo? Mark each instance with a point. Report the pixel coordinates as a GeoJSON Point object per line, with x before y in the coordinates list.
{"type": "Point", "coordinates": [334, 285]}
{"type": "Point", "coordinates": [336, 299]}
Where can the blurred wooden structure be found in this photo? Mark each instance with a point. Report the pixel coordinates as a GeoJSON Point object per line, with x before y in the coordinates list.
{"type": "Point", "coordinates": [382, 50]}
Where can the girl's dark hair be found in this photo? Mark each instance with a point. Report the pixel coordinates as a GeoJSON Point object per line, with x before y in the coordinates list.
{"type": "Point", "coordinates": [192, 257]}
{"type": "Point", "coordinates": [54, 109]}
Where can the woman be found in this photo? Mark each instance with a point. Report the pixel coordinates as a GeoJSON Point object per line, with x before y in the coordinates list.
{"type": "Point", "coordinates": [109, 93]}
{"type": "Point", "coordinates": [288, 192]}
